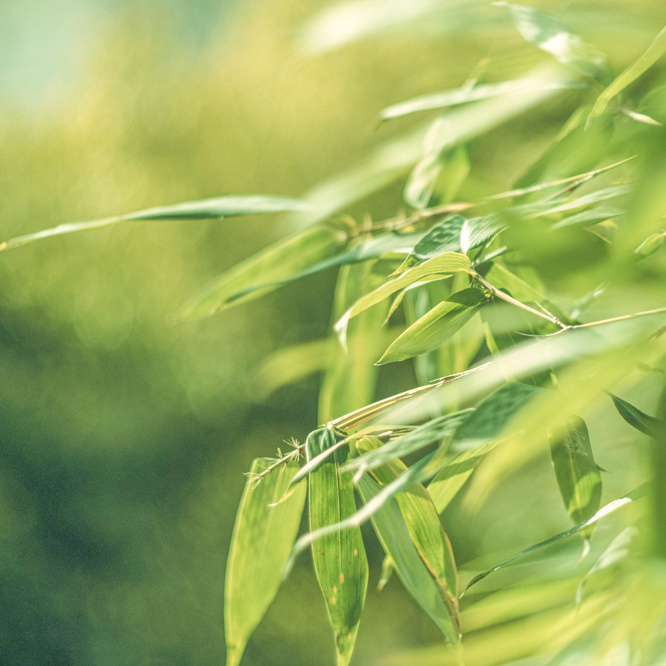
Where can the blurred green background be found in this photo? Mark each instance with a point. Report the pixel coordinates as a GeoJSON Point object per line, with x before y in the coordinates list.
{"type": "Point", "coordinates": [124, 438]}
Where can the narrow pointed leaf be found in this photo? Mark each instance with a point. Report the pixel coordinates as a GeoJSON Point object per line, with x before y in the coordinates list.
{"type": "Point", "coordinates": [389, 525]}
{"type": "Point", "coordinates": [630, 74]}
{"type": "Point", "coordinates": [442, 267]}
{"type": "Point", "coordinates": [643, 422]}
{"type": "Point", "coordinates": [424, 528]}
{"type": "Point", "coordinates": [339, 556]}
{"type": "Point", "coordinates": [606, 510]}
{"type": "Point", "coordinates": [477, 231]}
{"type": "Point", "coordinates": [219, 207]}
{"type": "Point", "coordinates": [550, 35]}
{"type": "Point", "coordinates": [448, 482]}
{"type": "Point", "coordinates": [436, 327]}
{"type": "Point", "coordinates": [276, 262]}
{"type": "Point", "coordinates": [263, 535]}
{"type": "Point", "coordinates": [578, 476]}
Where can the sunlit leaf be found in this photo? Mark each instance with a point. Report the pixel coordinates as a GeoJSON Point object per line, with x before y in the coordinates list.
{"type": "Point", "coordinates": [643, 422]}
{"type": "Point", "coordinates": [550, 35]}
{"type": "Point", "coordinates": [278, 261]}
{"type": "Point", "coordinates": [339, 556]}
{"type": "Point", "coordinates": [436, 327]}
{"type": "Point", "coordinates": [264, 532]}
{"type": "Point", "coordinates": [420, 187]}
{"type": "Point", "coordinates": [630, 74]}
{"type": "Point", "coordinates": [219, 207]}
{"type": "Point", "coordinates": [606, 510]}
{"type": "Point", "coordinates": [389, 525]}
{"type": "Point", "coordinates": [578, 475]}
{"type": "Point", "coordinates": [424, 528]}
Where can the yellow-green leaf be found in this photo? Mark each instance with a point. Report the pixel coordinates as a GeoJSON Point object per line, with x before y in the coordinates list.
{"type": "Point", "coordinates": [266, 526]}
{"type": "Point", "coordinates": [577, 474]}
{"type": "Point", "coordinates": [425, 530]}
{"type": "Point", "coordinates": [435, 327]}
{"type": "Point", "coordinates": [339, 557]}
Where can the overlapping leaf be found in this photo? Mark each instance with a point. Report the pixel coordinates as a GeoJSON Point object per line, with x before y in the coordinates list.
{"type": "Point", "coordinates": [578, 476]}
{"type": "Point", "coordinates": [266, 525]}
{"type": "Point", "coordinates": [436, 327]}
{"type": "Point", "coordinates": [339, 555]}
{"type": "Point", "coordinates": [281, 260]}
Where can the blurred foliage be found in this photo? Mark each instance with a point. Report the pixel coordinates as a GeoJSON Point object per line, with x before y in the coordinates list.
{"type": "Point", "coordinates": [125, 436]}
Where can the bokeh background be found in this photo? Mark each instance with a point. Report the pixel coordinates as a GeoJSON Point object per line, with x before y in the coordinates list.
{"type": "Point", "coordinates": [123, 437]}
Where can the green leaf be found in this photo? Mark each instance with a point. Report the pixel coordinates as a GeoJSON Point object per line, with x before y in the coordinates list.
{"type": "Point", "coordinates": [478, 231]}
{"type": "Point", "coordinates": [219, 207]}
{"type": "Point", "coordinates": [276, 262]}
{"type": "Point", "coordinates": [266, 526]}
{"type": "Point", "coordinates": [425, 530]}
{"type": "Point", "coordinates": [606, 510]}
{"type": "Point", "coordinates": [436, 327]}
{"type": "Point", "coordinates": [441, 238]}
{"type": "Point", "coordinates": [578, 476]}
{"type": "Point", "coordinates": [339, 556]}
{"type": "Point", "coordinates": [389, 525]}
{"type": "Point", "coordinates": [630, 74]}
{"type": "Point", "coordinates": [416, 439]}
{"type": "Point", "coordinates": [550, 35]}
{"type": "Point", "coordinates": [586, 200]}
{"type": "Point", "coordinates": [462, 95]}
{"type": "Point", "coordinates": [643, 422]}
{"type": "Point", "coordinates": [420, 187]}
{"type": "Point", "coordinates": [494, 412]}
{"type": "Point", "coordinates": [439, 267]}
{"type": "Point", "coordinates": [587, 217]}
{"type": "Point", "coordinates": [446, 484]}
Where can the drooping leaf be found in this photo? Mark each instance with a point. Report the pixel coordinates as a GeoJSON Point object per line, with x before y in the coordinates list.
{"type": "Point", "coordinates": [477, 231]}
{"type": "Point", "coordinates": [389, 525]}
{"type": "Point", "coordinates": [630, 74]}
{"type": "Point", "coordinates": [550, 35]}
{"type": "Point", "coordinates": [285, 258]}
{"type": "Point", "coordinates": [643, 422]}
{"type": "Point", "coordinates": [588, 217]}
{"type": "Point", "coordinates": [578, 476]}
{"type": "Point", "coordinates": [264, 532]}
{"type": "Point", "coordinates": [586, 200]}
{"type": "Point", "coordinates": [349, 382]}
{"type": "Point", "coordinates": [420, 187]}
{"type": "Point", "coordinates": [606, 510]}
{"type": "Point", "coordinates": [339, 556]}
{"type": "Point", "coordinates": [219, 207]}
{"type": "Point", "coordinates": [424, 528]}
{"type": "Point", "coordinates": [436, 327]}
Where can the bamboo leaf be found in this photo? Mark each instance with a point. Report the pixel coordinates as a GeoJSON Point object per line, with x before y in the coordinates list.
{"type": "Point", "coordinates": [630, 74]}
{"type": "Point", "coordinates": [283, 259]}
{"type": "Point", "coordinates": [478, 231]}
{"type": "Point", "coordinates": [643, 422]}
{"type": "Point", "coordinates": [446, 484]}
{"type": "Point", "coordinates": [339, 556]}
{"type": "Point", "coordinates": [424, 527]}
{"type": "Point", "coordinates": [263, 535]}
{"type": "Point", "coordinates": [606, 510]}
{"type": "Point", "coordinates": [578, 476]}
{"type": "Point", "coordinates": [436, 327]}
{"type": "Point", "coordinates": [493, 413]}
{"type": "Point", "coordinates": [389, 525]}
{"type": "Point", "coordinates": [463, 95]}
{"type": "Point", "coordinates": [219, 207]}
{"type": "Point", "coordinates": [439, 267]}
{"type": "Point", "coordinates": [552, 36]}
